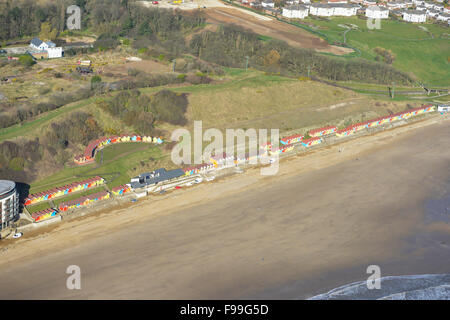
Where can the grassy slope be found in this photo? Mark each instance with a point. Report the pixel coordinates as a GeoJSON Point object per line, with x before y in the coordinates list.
{"type": "Point", "coordinates": [256, 100]}
{"type": "Point", "coordinates": [27, 128]}
{"type": "Point", "coordinates": [416, 50]}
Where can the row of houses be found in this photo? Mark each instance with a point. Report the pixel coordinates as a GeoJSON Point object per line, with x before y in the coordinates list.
{"type": "Point", "coordinates": [296, 9]}
{"type": "Point", "coordinates": [392, 5]}
{"type": "Point", "coordinates": [346, 10]}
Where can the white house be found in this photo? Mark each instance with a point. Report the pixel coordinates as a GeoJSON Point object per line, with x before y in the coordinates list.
{"type": "Point", "coordinates": [369, 2]}
{"type": "Point", "coordinates": [346, 10]}
{"type": "Point", "coordinates": [291, 2]}
{"type": "Point", "coordinates": [439, 7]}
{"type": "Point", "coordinates": [335, 9]}
{"type": "Point", "coordinates": [376, 12]}
{"type": "Point", "coordinates": [45, 49]}
{"type": "Point", "coordinates": [443, 17]}
{"type": "Point", "coordinates": [321, 9]}
{"type": "Point", "coordinates": [295, 12]}
{"type": "Point", "coordinates": [267, 4]}
{"type": "Point", "coordinates": [396, 5]}
{"type": "Point", "coordinates": [56, 52]}
{"type": "Point", "coordinates": [337, 1]}
{"type": "Point", "coordinates": [414, 16]}
{"type": "Point", "coordinates": [432, 13]}
{"type": "Point", "coordinates": [428, 5]}
{"type": "Point", "coordinates": [40, 45]}
{"type": "Point", "coordinates": [409, 3]}
{"type": "Point", "coordinates": [421, 8]}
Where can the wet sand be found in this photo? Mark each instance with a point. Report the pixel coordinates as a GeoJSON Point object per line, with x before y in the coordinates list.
{"type": "Point", "coordinates": [316, 225]}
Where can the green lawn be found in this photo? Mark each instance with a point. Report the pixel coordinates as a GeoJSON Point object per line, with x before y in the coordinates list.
{"type": "Point", "coordinates": [118, 150]}
{"type": "Point", "coordinates": [77, 195]}
{"type": "Point", "coordinates": [38, 207]}
{"type": "Point", "coordinates": [423, 52]}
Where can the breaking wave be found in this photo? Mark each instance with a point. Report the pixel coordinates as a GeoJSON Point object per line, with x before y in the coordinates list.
{"type": "Point", "coordinates": [410, 287]}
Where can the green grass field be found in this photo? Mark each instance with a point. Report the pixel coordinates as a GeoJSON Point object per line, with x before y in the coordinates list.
{"type": "Point", "coordinates": [77, 195]}
{"type": "Point", "coordinates": [38, 207]}
{"type": "Point", "coordinates": [422, 49]}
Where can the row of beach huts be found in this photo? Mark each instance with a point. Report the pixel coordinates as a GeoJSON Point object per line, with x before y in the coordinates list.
{"type": "Point", "coordinates": [89, 153]}
{"type": "Point", "coordinates": [287, 144]}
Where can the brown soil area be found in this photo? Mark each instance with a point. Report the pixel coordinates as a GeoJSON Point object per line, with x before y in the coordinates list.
{"type": "Point", "coordinates": [292, 35]}
{"type": "Point", "coordinates": [147, 66]}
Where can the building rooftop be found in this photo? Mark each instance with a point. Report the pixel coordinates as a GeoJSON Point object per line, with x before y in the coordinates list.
{"type": "Point", "coordinates": [414, 12]}
{"type": "Point", "coordinates": [155, 177]}
{"type": "Point", "coordinates": [377, 8]}
{"type": "Point", "coordinates": [36, 42]}
{"type": "Point", "coordinates": [334, 5]}
{"type": "Point", "coordinates": [6, 186]}
{"type": "Point", "coordinates": [296, 7]}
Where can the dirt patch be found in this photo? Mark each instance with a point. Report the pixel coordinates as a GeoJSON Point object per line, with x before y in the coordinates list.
{"type": "Point", "coordinates": [70, 40]}
{"type": "Point", "coordinates": [294, 36]}
{"type": "Point", "coordinates": [147, 66]}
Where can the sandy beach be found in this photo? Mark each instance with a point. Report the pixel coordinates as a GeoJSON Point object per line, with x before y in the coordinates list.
{"type": "Point", "coordinates": [314, 226]}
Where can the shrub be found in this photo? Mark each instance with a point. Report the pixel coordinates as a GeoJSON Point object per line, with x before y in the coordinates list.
{"type": "Point", "coordinates": [26, 60]}
{"type": "Point", "coordinates": [105, 42]}
{"type": "Point", "coordinates": [95, 80]}
{"type": "Point", "coordinates": [133, 72]}
{"type": "Point", "coordinates": [142, 50]}
{"type": "Point", "coordinates": [168, 106]}
{"type": "Point", "coordinates": [17, 164]}
{"type": "Point", "coordinates": [43, 90]}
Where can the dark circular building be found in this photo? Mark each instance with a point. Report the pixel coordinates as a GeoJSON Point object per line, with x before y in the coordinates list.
{"type": "Point", "coordinates": [9, 202]}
